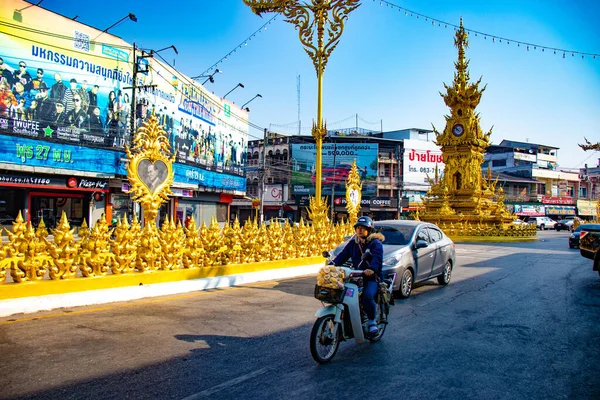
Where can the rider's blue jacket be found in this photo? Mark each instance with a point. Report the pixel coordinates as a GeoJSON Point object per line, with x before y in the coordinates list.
{"type": "Point", "coordinates": [354, 251]}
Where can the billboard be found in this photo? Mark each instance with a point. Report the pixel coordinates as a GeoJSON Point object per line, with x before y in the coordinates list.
{"type": "Point", "coordinates": [74, 85]}
{"type": "Point", "coordinates": [420, 160]}
{"type": "Point", "coordinates": [337, 161]}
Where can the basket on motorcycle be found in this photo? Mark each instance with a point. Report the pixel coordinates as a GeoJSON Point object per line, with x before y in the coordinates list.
{"type": "Point", "coordinates": [329, 295]}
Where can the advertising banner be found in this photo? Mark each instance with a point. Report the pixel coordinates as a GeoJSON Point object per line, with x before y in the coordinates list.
{"type": "Point", "coordinates": [274, 194]}
{"type": "Point", "coordinates": [74, 85]}
{"type": "Point", "coordinates": [41, 153]}
{"type": "Point", "coordinates": [420, 161]}
{"type": "Point", "coordinates": [587, 207]}
{"type": "Point", "coordinates": [197, 176]}
{"type": "Point", "coordinates": [529, 210]}
{"type": "Point", "coordinates": [337, 163]}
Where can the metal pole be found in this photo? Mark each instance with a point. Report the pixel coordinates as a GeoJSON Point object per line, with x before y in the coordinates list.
{"type": "Point", "coordinates": [134, 85]}
{"type": "Point", "coordinates": [262, 176]}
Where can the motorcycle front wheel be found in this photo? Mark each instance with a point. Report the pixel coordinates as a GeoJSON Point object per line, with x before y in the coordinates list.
{"type": "Point", "coordinates": [324, 339]}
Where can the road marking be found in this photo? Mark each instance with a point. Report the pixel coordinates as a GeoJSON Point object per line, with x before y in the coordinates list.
{"type": "Point", "coordinates": [134, 303]}
{"type": "Point", "coordinates": [225, 385]}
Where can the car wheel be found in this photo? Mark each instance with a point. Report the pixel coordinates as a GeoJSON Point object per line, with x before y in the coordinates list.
{"type": "Point", "coordinates": [406, 283]}
{"type": "Point", "coordinates": [445, 277]}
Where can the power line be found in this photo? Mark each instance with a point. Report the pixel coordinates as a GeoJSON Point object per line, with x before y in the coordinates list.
{"type": "Point", "coordinates": [239, 46]}
{"type": "Point", "coordinates": [494, 38]}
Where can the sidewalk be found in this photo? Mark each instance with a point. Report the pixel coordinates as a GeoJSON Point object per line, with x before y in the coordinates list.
{"type": "Point", "coordinates": [43, 303]}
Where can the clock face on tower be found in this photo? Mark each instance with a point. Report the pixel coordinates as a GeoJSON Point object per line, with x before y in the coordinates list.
{"type": "Point", "coordinates": [458, 130]}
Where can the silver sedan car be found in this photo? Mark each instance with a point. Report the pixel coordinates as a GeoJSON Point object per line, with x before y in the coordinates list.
{"type": "Point", "coordinates": [416, 251]}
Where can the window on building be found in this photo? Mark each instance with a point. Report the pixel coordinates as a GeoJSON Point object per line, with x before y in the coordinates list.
{"type": "Point", "coordinates": [541, 189]}
{"type": "Point", "coordinates": [583, 192]}
{"type": "Point", "coordinates": [570, 191]}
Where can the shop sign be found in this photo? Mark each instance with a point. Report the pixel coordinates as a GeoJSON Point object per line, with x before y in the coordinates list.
{"type": "Point", "coordinates": [341, 201]}
{"type": "Point", "coordinates": [587, 207]}
{"type": "Point", "coordinates": [30, 180]}
{"type": "Point", "coordinates": [85, 183]}
{"type": "Point", "coordinates": [182, 192]}
{"type": "Point", "coordinates": [384, 202]}
{"type": "Point", "coordinates": [241, 203]}
{"type": "Point", "coordinates": [560, 210]}
{"type": "Point", "coordinates": [557, 200]}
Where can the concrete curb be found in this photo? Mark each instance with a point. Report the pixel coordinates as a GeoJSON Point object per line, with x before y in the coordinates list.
{"type": "Point", "coordinates": [104, 296]}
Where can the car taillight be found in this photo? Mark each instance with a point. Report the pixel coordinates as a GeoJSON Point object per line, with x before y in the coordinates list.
{"type": "Point", "coordinates": [582, 234]}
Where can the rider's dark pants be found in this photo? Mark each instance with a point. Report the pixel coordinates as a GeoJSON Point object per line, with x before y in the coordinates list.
{"type": "Point", "coordinates": [368, 298]}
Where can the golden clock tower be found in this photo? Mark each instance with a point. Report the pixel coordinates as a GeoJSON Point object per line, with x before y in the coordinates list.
{"type": "Point", "coordinates": [462, 200]}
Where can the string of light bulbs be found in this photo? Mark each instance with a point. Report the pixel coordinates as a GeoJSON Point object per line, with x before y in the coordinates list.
{"type": "Point", "coordinates": [239, 46]}
{"type": "Point", "coordinates": [500, 39]}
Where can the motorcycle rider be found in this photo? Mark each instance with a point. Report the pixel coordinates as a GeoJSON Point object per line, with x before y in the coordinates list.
{"type": "Point", "coordinates": [365, 239]}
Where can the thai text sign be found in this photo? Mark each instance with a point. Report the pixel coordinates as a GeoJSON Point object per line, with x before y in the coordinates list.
{"type": "Point", "coordinates": [420, 161]}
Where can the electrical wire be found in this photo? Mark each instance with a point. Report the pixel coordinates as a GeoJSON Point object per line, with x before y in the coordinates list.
{"type": "Point", "coordinates": [527, 45]}
{"type": "Point", "coordinates": [244, 43]}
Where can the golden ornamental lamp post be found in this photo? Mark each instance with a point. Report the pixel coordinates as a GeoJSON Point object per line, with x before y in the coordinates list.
{"type": "Point", "coordinates": [320, 24]}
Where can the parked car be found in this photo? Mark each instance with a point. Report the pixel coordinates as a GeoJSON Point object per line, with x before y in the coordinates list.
{"type": "Point", "coordinates": [542, 223]}
{"type": "Point", "coordinates": [416, 251]}
{"type": "Point", "coordinates": [566, 223]}
{"type": "Point", "coordinates": [575, 236]}
{"type": "Point", "coordinates": [280, 221]}
{"type": "Point", "coordinates": [590, 244]}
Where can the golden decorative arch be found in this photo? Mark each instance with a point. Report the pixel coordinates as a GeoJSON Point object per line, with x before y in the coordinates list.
{"type": "Point", "coordinates": [353, 193]}
{"type": "Point", "coordinates": [150, 169]}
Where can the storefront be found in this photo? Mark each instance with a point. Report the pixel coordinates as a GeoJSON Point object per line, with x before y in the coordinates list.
{"type": "Point", "coordinates": [40, 196]}
{"type": "Point", "coordinates": [384, 208]}
{"type": "Point", "coordinates": [557, 207]}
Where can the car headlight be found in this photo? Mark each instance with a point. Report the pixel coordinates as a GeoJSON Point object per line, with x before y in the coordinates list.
{"type": "Point", "coordinates": [391, 261]}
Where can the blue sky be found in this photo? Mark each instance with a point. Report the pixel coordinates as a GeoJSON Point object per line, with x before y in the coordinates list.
{"type": "Point", "coordinates": [388, 68]}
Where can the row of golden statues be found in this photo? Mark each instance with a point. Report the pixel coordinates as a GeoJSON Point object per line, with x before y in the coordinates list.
{"type": "Point", "coordinates": [31, 255]}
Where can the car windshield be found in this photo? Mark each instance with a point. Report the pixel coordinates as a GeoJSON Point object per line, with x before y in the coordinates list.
{"type": "Point", "coordinates": [396, 235]}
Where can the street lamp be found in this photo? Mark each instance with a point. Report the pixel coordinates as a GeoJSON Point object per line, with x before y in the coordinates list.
{"type": "Point", "coordinates": [319, 36]}
{"type": "Point", "coordinates": [248, 102]}
{"type": "Point", "coordinates": [236, 86]}
{"type": "Point", "coordinates": [130, 16]}
{"type": "Point", "coordinates": [209, 77]}
{"type": "Point", "coordinates": [17, 13]}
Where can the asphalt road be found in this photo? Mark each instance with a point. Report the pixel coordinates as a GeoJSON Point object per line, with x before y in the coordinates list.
{"type": "Point", "coordinates": [518, 321]}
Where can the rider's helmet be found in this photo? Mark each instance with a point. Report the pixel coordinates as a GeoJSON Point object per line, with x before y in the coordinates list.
{"type": "Point", "coordinates": [366, 222]}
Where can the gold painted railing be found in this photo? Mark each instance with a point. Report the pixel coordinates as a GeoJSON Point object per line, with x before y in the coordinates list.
{"type": "Point", "coordinates": [30, 254]}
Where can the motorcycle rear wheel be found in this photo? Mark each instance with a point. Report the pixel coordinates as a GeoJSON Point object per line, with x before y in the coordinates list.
{"type": "Point", "coordinates": [382, 319]}
{"type": "Point", "coordinates": [323, 344]}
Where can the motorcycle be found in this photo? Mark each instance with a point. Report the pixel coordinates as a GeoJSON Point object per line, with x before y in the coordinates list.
{"type": "Point", "coordinates": [341, 318]}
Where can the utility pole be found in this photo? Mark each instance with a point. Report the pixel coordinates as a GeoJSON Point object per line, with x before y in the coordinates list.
{"type": "Point", "coordinates": [262, 172]}
{"type": "Point", "coordinates": [299, 122]}
{"type": "Point", "coordinates": [133, 104]}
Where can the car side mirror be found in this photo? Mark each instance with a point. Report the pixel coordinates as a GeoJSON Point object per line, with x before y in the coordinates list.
{"type": "Point", "coordinates": [421, 244]}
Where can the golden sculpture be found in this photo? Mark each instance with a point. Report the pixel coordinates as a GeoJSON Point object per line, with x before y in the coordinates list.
{"type": "Point", "coordinates": [353, 194]}
{"type": "Point", "coordinates": [123, 247]}
{"type": "Point", "coordinates": [461, 198]}
{"type": "Point", "coordinates": [64, 250]}
{"type": "Point", "coordinates": [320, 24]}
